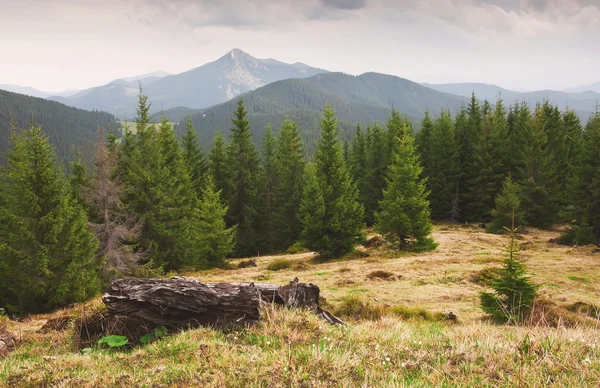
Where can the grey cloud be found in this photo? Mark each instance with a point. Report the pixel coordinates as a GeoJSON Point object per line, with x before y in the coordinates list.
{"type": "Point", "coordinates": [345, 4]}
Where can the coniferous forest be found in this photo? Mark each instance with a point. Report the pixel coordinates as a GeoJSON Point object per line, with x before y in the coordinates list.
{"type": "Point", "coordinates": [155, 202]}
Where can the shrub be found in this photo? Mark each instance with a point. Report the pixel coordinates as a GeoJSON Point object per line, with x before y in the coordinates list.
{"type": "Point", "coordinates": [486, 276]}
{"type": "Point", "coordinates": [353, 307]}
{"type": "Point", "coordinates": [279, 264]}
{"type": "Point", "coordinates": [247, 263]}
{"type": "Point", "coordinates": [577, 234]}
{"type": "Point", "coordinates": [296, 248]}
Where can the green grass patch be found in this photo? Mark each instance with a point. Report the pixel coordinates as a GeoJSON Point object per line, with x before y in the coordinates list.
{"type": "Point", "coordinates": [579, 279]}
{"type": "Point", "coordinates": [279, 264]}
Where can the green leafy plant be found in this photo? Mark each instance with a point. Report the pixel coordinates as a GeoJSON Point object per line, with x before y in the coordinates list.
{"type": "Point", "coordinates": [158, 332]}
{"type": "Point", "coordinates": [114, 341]}
{"type": "Point", "coordinates": [86, 351]}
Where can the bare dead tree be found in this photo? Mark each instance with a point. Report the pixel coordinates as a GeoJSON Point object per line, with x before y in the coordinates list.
{"type": "Point", "coordinates": [115, 227]}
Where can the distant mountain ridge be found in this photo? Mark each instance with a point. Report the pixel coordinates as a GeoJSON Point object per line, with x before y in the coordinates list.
{"type": "Point", "coordinates": [363, 99]}
{"type": "Point", "coordinates": [231, 75]}
{"type": "Point", "coordinates": [583, 103]}
{"type": "Point", "coordinates": [584, 88]}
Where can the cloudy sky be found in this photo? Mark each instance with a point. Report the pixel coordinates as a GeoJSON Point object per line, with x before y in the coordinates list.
{"type": "Point", "coordinates": [518, 44]}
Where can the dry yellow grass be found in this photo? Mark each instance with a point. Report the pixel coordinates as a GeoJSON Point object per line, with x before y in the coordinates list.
{"type": "Point", "coordinates": [294, 348]}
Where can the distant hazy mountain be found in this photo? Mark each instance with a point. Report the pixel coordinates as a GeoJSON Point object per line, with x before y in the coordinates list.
{"type": "Point", "coordinates": [26, 90]}
{"type": "Point", "coordinates": [154, 75]}
{"type": "Point", "coordinates": [356, 99]}
{"type": "Point", "coordinates": [66, 127]}
{"type": "Point", "coordinates": [216, 82]}
{"type": "Point", "coordinates": [583, 103]}
{"type": "Point", "coordinates": [584, 88]}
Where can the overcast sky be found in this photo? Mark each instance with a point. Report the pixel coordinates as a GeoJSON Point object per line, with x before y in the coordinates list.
{"type": "Point", "coordinates": [518, 44]}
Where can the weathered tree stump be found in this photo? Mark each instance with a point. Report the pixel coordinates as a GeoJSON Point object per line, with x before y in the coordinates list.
{"type": "Point", "coordinates": [182, 302]}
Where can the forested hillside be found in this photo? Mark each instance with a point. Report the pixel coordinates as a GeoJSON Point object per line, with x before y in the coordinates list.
{"type": "Point", "coordinates": [66, 127]}
{"type": "Point", "coordinates": [363, 99]}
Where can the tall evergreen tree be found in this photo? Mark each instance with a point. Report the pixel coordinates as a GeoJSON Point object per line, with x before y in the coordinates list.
{"type": "Point", "coordinates": [377, 165]}
{"type": "Point", "coordinates": [404, 214]}
{"type": "Point", "coordinates": [444, 167]}
{"type": "Point", "coordinates": [216, 241]}
{"type": "Point", "coordinates": [194, 157]}
{"type": "Point", "coordinates": [423, 143]}
{"type": "Point", "coordinates": [79, 180]}
{"type": "Point", "coordinates": [396, 128]}
{"type": "Point", "coordinates": [47, 251]}
{"type": "Point", "coordinates": [266, 220]}
{"type": "Point", "coordinates": [330, 212]}
{"type": "Point", "coordinates": [488, 166]}
{"type": "Point", "coordinates": [217, 165]}
{"type": "Point", "coordinates": [291, 163]}
{"type": "Point", "coordinates": [244, 165]}
{"type": "Point", "coordinates": [536, 173]}
{"type": "Point", "coordinates": [359, 165]}
{"type": "Point", "coordinates": [589, 179]}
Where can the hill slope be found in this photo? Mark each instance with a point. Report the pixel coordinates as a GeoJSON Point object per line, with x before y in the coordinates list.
{"type": "Point", "coordinates": [234, 73]}
{"type": "Point", "coordinates": [66, 127]}
{"type": "Point", "coordinates": [356, 99]}
{"type": "Point", "coordinates": [582, 102]}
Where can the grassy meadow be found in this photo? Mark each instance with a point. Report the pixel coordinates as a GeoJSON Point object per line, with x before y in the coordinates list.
{"type": "Point", "coordinates": [397, 335]}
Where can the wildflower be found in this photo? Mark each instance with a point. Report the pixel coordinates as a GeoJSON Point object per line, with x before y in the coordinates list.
{"type": "Point", "coordinates": [268, 342]}
{"type": "Point", "coordinates": [403, 365]}
{"type": "Point", "coordinates": [387, 359]}
{"type": "Point", "coordinates": [168, 345]}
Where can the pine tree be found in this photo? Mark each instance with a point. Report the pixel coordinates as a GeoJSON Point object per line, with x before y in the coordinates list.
{"type": "Point", "coordinates": [216, 241]}
{"type": "Point", "coordinates": [79, 180]}
{"type": "Point", "coordinates": [396, 128]}
{"type": "Point", "coordinates": [377, 165]}
{"type": "Point", "coordinates": [467, 135]}
{"type": "Point", "coordinates": [588, 214]}
{"type": "Point", "coordinates": [508, 208]}
{"type": "Point", "coordinates": [423, 143]}
{"type": "Point", "coordinates": [47, 251]}
{"type": "Point", "coordinates": [330, 212]}
{"type": "Point", "coordinates": [358, 165]}
{"type": "Point", "coordinates": [244, 165]}
{"type": "Point", "coordinates": [404, 214]}
{"type": "Point", "coordinates": [514, 293]}
{"type": "Point", "coordinates": [444, 167]}
{"type": "Point", "coordinates": [170, 224]}
{"type": "Point", "coordinates": [488, 166]}
{"type": "Point", "coordinates": [536, 173]}
{"type": "Point", "coordinates": [194, 157]}
{"type": "Point", "coordinates": [217, 165]}
{"type": "Point", "coordinates": [290, 160]}
{"type": "Point", "coordinates": [266, 221]}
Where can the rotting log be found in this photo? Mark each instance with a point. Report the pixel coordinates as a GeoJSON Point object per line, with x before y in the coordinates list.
{"type": "Point", "coordinates": [182, 302]}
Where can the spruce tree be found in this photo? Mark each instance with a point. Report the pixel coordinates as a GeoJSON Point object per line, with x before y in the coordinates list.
{"type": "Point", "coordinates": [79, 180]}
{"type": "Point", "coordinates": [488, 168]}
{"type": "Point", "coordinates": [358, 165]}
{"type": "Point", "coordinates": [217, 165]}
{"type": "Point", "coordinates": [377, 165]}
{"type": "Point", "coordinates": [170, 230]}
{"type": "Point", "coordinates": [194, 157]}
{"type": "Point", "coordinates": [396, 128]}
{"type": "Point", "coordinates": [404, 215]}
{"type": "Point", "coordinates": [514, 293]}
{"type": "Point", "coordinates": [508, 208]}
{"type": "Point", "coordinates": [536, 173]}
{"type": "Point", "coordinates": [47, 250]}
{"type": "Point", "coordinates": [467, 135]}
{"type": "Point", "coordinates": [290, 160]}
{"type": "Point", "coordinates": [266, 221]}
{"type": "Point", "coordinates": [330, 212]}
{"type": "Point", "coordinates": [243, 196]}
{"type": "Point", "coordinates": [216, 241]}
{"type": "Point", "coordinates": [423, 143]}
{"type": "Point", "coordinates": [444, 164]}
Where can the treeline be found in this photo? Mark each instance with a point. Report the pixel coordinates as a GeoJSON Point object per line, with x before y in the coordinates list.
{"type": "Point", "coordinates": [156, 202]}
